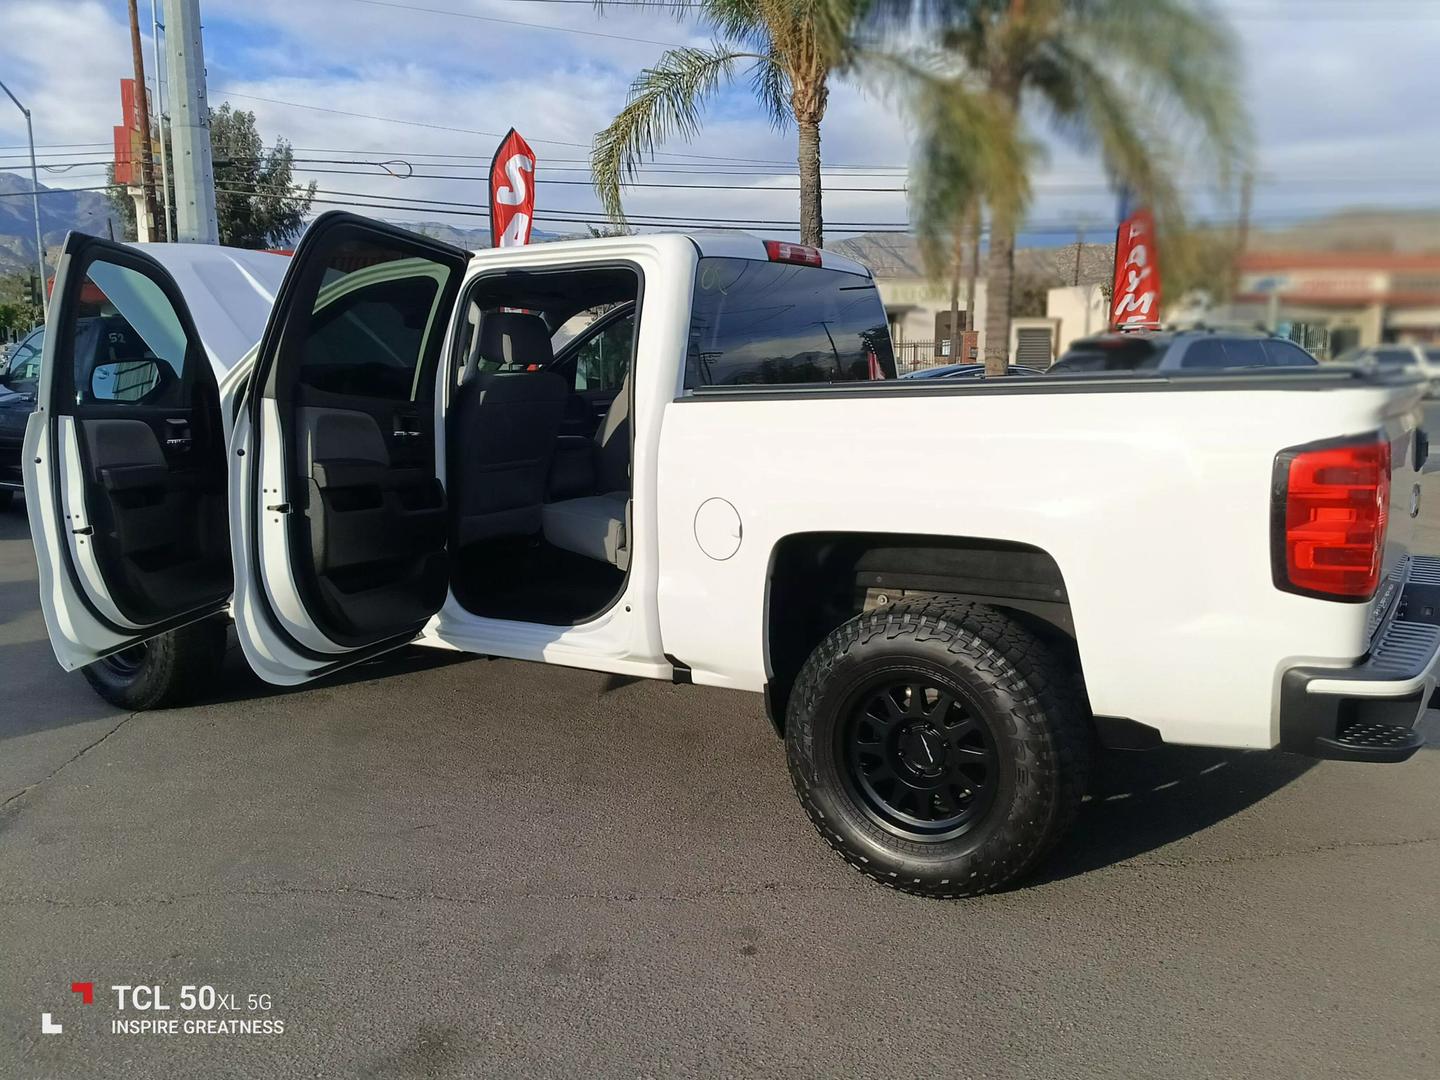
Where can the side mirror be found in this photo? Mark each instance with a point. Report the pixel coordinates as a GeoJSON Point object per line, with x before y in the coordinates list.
{"type": "Point", "coordinates": [126, 380]}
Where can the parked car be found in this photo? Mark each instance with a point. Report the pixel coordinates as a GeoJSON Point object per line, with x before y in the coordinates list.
{"type": "Point", "coordinates": [949, 592]}
{"type": "Point", "coordinates": [1167, 352]}
{"type": "Point", "coordinates": [1424, 358]}
{"type": "Point", "coordinates": [965, 371]}
{"type": "Point", "coordinates": [19, 376]}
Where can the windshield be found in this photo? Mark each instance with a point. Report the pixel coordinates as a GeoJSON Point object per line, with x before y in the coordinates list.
{"type": "Point", "coordinates": [21, 371]}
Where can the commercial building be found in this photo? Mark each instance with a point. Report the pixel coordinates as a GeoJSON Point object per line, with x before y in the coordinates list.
{"type": "Point", "coordinates": [1341, 299]}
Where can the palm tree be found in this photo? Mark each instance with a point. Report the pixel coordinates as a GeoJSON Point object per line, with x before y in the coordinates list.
{"type": "Point", "coordinates": [1152, 84]}
{"type": "Point", "coordinates": [791, 49]}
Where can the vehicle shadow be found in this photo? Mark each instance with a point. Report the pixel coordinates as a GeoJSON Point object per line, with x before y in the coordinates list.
{"type": "Point", "coordinates": [237, 682]}
{"type": "Point", "coordinates": [1142, 800]}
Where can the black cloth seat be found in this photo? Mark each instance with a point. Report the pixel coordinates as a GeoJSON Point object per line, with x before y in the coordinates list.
{"type": "Point", "coordinates": [503, 427]}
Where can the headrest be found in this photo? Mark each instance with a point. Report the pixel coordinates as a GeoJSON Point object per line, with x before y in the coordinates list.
{"type": "Point", "coordinates": [515, 339]}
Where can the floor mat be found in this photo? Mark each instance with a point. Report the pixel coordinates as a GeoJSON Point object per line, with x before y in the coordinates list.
{"type": "Point", "coordinates": [528, 580]}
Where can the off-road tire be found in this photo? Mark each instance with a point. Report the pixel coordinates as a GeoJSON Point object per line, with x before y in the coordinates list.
{"type": "Point", "coordinates": [177, 667]}
{"type": "Point", "coordinates": [1031, 702]}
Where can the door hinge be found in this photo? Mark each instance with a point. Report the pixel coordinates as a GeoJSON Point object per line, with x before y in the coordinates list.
{"type": "Point", "coordinates": [84, 530]}
{"type": "Point", "coordinates": [279, 508]}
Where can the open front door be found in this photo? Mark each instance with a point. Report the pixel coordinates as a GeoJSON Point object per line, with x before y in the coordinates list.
{"type": "Point", "coordinates": [124, 459]}
{"type": "Point", "coordinates": [337, 515]}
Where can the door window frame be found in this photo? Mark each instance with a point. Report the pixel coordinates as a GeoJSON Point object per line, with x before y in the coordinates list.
{"type": "Point", "coordinates": [283, 336]}
{"type": "Point", "coordinates": [59, 351]}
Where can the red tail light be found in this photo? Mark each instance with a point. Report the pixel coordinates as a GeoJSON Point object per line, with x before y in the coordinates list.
{"type": "Point", "coordinates": [780, 251]}
{"type": "Point", "coordinates": [1331, 506]}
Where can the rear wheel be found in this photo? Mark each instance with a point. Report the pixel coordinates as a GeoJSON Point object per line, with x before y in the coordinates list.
{"type": "Point", "coordinates": [168, 670]}
{"type": "Point", "coordinates": [939, 747]}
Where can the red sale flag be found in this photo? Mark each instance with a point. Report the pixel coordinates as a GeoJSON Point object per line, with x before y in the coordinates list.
{"type": "Point", "coordinates": [512, 192]}
{"type": "Point", "coordinates": [1135, 301]}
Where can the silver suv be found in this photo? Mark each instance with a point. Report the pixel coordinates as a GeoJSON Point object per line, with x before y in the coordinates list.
{"type": "Point", "coordinates": [1172, 351]}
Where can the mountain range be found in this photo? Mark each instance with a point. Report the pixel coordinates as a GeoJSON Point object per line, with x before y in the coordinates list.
{"type": "Point", "coordinates": [887, 254]}
{"type": "Point", "coordinates": [60, 212]}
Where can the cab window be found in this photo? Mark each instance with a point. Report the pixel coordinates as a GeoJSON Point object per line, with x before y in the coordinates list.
{"type": "Point", "coordinates": [602, 362]}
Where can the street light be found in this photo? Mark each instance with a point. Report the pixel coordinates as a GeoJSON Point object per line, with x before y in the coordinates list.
{"type": "Point", "coordinates": [35, 199]}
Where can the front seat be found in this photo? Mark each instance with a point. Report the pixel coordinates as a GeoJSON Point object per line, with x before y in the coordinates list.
{"type": "Point", "coordinates": [502, 431]}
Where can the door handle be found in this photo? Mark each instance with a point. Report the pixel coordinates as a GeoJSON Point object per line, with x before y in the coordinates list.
{"type": "Point", "coordinates": [177, 435]}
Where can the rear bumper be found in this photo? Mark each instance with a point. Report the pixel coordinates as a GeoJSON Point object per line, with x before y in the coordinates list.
{"type": "Point", "coordinates": [1369, 711]}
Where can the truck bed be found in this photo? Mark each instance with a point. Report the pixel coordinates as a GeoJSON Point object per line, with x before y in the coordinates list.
{"type": "Point", "coordinates": [1151, 493]}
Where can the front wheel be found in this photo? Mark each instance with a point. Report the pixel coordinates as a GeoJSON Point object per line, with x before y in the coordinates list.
{"type": "Point", "coordinates": [171, 669]}
{"type": "Point", "coordinates": [939, 747]}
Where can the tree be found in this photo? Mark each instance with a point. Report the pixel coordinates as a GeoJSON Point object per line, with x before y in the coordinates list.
{"type": "Point", "coordinates": [257, 203]}
{"type": "Point", "coordinates": [19, 310]}
{"type": "Point", "coordinates": [119, 199]}
{"type": "Point", "coordinates": [256, 200]}
{"type": "Point", "coordinates": [1152, 84]}
{"type": "Point", "coordinates": [791, 47]}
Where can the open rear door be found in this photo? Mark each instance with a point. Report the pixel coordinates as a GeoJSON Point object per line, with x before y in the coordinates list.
{"type": "Point", "coordinates": [124, 459]}
{"type": "Point", "coordinates": [338, 518]}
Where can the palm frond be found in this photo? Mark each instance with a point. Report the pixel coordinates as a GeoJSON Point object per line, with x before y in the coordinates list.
{"type": "Point", "coordinates": [967, 148]}
{"type": "Point", "coordinates": [1137, 145]}
{"type": "Point", "coordinates": [771, 84]}
{"type": "Point", "coordinates": [1180, 59]}
{"type": "Point", "coordinates": [664, 100]}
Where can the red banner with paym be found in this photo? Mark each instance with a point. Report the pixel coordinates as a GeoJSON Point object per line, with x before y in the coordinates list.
{"type": "Point", "coordinates": [1135, 301]}
{"type": "Point", "coordinates": [512, 192]}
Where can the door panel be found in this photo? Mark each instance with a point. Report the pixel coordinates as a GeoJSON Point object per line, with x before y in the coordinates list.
{"type": "Point", "coordinates": [128, 490]}
{"type": "Point", "coordinates": [344, 518]}
{"type": "Point", "coordinates": [377, 529]}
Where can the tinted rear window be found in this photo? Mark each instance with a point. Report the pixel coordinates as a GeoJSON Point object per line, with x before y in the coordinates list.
{"type": "Point", "coordinates": [1133, 355]}
{"type": "Point", "coordinates": [756, 323]}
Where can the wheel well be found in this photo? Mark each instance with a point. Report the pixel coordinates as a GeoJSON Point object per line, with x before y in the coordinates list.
{"type": "Point", "coordinates": [820, 580]}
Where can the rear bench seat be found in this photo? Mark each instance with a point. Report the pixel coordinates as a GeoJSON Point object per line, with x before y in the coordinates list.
{"type": "Point", "coordinates": [594, 525]}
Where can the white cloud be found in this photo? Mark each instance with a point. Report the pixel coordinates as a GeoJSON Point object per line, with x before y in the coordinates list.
{"type": "Point", "coordinates": [1339, 104]}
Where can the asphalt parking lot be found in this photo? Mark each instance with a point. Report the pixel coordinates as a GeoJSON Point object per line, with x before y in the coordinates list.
{"type": "Point", "coordinates": [453, 867]}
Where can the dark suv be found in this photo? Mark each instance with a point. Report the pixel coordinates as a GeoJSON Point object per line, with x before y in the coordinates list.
{"type": "Point", "coordinates": [19, 377]}
{"type": "Point", "coordinates": [1175, 351]}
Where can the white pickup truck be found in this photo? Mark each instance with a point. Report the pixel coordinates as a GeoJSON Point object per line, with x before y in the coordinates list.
{"type": "Point", "coordinates": [686, 458]}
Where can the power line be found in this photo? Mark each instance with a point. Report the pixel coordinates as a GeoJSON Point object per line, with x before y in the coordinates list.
{"type": "Point", "coordinates": [472, 131]}
{"type": "Point", "coordinates": [517, 22]}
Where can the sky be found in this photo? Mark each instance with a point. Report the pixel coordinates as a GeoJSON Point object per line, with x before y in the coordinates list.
{"type": "Point", "coordinates": [1341, 94]}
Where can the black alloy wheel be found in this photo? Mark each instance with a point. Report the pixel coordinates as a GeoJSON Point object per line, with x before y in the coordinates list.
{"type": "Point", "coordinates": [127, 663]}
{"type": "Point", "coordinates": [919, 757]}
{"type": "Point", "coordinates": [939, 746]}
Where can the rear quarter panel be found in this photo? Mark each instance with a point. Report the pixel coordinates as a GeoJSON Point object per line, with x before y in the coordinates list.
{"type": "Point", "coordinates": [1155, 504]}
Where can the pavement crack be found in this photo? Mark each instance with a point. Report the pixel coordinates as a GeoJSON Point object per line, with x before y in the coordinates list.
{"type": "Point", "coordinates": [67, 762]}
{"type": "Point", "coordinates": [1263, 856]}
{"type": "Point", "coordinates": [482, 899]}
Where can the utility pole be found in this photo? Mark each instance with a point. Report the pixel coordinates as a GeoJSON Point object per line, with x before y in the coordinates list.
{"type": "Point", "coordinates": [195, 219]}
{"type": "Point", "coordinates": [1242, 233]}
{"type": "Point", "coordinates": [168, 230]}
{"type": "Point", "coordinates": [147, 225]}
{"type": "Point", "coordinates": [1079, 249]}
{"type": "Point", "coordinates": [35, 202]}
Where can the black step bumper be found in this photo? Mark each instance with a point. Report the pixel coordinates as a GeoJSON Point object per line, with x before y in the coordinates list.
{"type": "Point", "coordinates": [1369, 711]}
